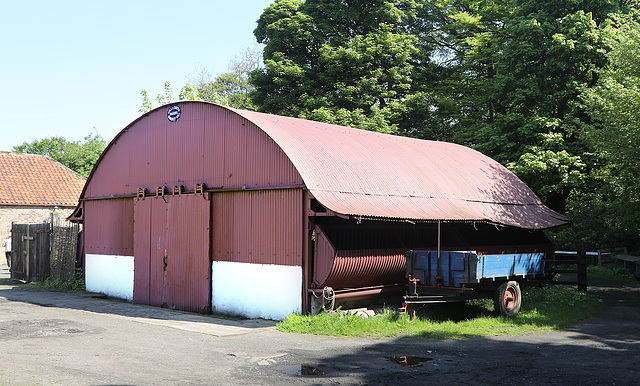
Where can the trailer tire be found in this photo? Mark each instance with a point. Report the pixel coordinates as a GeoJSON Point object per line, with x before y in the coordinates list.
{"type": "Point", "coordinates": [508, 299]}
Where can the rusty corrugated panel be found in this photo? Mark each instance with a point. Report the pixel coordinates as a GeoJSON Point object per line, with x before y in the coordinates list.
{"type": "Point", "coordinates": [158, 244]}
{"type": "Point", "coordinates": [188, 267]}
{"type": "Point", "coordinates": [260, 227]}
{"type": "Point", "coordinates": [323, 256]}
{"type": "Point", "coordinates": [208, 144]}
{"type": "Point", "coordinates": [142, 250]}
{"type": "Point", "coordinates": [108, 226]}
{"type": "Point", "coordinates": [363, 173]}
{"type": "Point", "coordinates": [352, 172]}
{"type": "Point", "coordinates": [213, 151]}
{"type": "Point", "coordinates": [362, 268]}
{"type": "Point", "coordinates": [222, 231]}
{"type": "Point", "coordinates": [172, 265]}
{"type": "Point", "coordinates": [234, 151]}
{"type": "Point", "coordinates": [184, 160]}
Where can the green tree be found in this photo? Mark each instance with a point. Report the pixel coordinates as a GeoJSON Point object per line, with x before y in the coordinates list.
{"type": "Point", "coordinates": [187, 92]}
{"type": "Point", "coordinates": [79, 156]}
{"type": "Point", "coordinates": [146, 102]}
{"type": "Point", "coordinates": [502, 77]}
{"type": "Point", "coordinates": [613, 104]}
{"type": "Point", "coordinates": [229, 89]}
{"type": "Point", "coordinates": [519, 67]}
{"type": "Point", "coordinates": [345, 62]}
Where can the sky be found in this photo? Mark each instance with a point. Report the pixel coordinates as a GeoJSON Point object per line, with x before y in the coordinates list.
{"type": "Point", "coordinates": [71, 68]}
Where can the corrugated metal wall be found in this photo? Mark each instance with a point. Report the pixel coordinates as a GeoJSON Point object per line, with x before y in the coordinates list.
{"type": "Point", "coordinates": [355, 267]}
{"type": "Point", "coordinates": [172, 265]}
{"type": "Point", "coordinates": [108, 227]}
{"type": "Point", "coordinates": [188, 260]}
{"type": "Point", "coordinates": [323, 255]}
{"type": "Point", "coordinates": [263, 227]}
{"type": "Point", "coordinates": [208, 144]}
{"type": "Point", "coordinates": [142, 251]}
{"type": "Point", "coordinates": [362, 268]}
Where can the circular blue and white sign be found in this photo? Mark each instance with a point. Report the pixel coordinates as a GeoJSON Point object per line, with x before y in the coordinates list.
{"type": "Point", "coordinates": [174, 113]}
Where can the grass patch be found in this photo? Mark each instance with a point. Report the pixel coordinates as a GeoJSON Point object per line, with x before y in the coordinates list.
{"type": "Point", "coordinates": [75, 283]}
{"type": "Point", "coordinates": [8, 281]}
{"type": "Point", "coordinates": [544, 309]}
{"type": "Point", "coordinates": [614, 272]}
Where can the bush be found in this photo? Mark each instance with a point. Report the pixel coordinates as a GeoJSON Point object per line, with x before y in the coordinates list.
{"type": "Point", "coordinates": [75, 283]}
{"type": "Point", "coordinates": [614, 271]}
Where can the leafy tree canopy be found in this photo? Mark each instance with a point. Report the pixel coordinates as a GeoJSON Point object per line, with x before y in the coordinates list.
{"type": "Point", "coordinates": [349, 62]}
{"type": "Point", "coordinates": [229, 89]}
{"type": "Point", "coordinates": [79, 156]}
{"type": "Point", "coordinates": [503, 77]}
{"type": "Point", "coordinates": [613, 104]}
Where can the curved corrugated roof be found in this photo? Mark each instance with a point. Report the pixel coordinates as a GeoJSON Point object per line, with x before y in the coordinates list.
{"type": "Point", "coordinates": [373, 175]}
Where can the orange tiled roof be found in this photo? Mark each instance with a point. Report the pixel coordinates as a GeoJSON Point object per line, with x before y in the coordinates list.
{"type": "Point", "coordinates": [28, 179]}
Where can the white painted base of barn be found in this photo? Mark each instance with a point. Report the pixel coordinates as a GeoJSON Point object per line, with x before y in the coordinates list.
{"type": "Point", "coordinates": [256, 290]}
{"type": "Point", "coordinates": [110, 275]}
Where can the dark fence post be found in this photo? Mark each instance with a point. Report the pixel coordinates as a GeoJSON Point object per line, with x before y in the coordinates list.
{"type": "Point", "coordinates": [582, 269]}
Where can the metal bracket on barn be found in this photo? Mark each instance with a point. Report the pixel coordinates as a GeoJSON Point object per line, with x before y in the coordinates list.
{"type": "Point", "coordinates": [142, 193]}
{"type": "Point", "coordinates": [178, 190]}
{"type": "Point", "coordinates": [201, 189]}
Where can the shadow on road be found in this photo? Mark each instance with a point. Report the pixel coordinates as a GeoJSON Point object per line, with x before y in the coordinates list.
{"type": "Point", "coordinates": [602, 350]}
{"type": "Point", "coordinates": [97, 303]}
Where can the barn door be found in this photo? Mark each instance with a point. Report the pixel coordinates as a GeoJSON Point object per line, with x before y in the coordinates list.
{"type": "Point", "coordinates": [171, 252]}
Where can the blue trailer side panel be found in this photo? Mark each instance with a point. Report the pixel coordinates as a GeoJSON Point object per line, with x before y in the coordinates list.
{"type": "Point", "coordinates": [458, 268]}
{"type": "Point", "coordinates": [507, 265]}
{"type": "Point", "coordinates": [455, 268]}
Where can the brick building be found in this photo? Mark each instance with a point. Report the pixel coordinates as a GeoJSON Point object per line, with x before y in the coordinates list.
{"type": "Point", "coordinates": [32, 187]}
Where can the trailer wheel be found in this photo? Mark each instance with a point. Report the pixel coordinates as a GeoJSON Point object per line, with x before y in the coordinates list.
{"type": "Point", "coordinates": [508, 299]}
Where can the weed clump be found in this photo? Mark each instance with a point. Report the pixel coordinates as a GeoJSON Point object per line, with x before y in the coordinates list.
{"type": "Point", "coordinates": [74, 283]}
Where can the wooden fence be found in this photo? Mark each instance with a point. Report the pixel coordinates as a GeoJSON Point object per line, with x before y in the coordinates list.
{"type": "Point", "coordinates": [578, 275]}
{"type": "Point", "coordinates": [64, 246]}
{"type": "Point", "coordinates": [44, 250]}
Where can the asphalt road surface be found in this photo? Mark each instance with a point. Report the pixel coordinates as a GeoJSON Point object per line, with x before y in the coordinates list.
{"type": "Point", "coordinates": [59, 338]}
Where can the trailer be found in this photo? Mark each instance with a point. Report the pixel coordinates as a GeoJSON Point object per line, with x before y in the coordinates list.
{"type": "Point", "coordinates": [457, 276]}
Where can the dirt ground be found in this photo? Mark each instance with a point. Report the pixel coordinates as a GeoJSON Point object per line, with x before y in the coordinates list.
{"type": "Point", "coordinates": [79, 338]}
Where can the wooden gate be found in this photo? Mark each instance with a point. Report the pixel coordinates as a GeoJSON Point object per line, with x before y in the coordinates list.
{"type": "Point", "coordinates": [30, 246]}
{"type": "Point", "coordinates": [172, 267]}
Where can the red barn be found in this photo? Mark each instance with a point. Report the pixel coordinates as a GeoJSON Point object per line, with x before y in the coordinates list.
{"type": "Point", "coordinates": [205, 208]}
